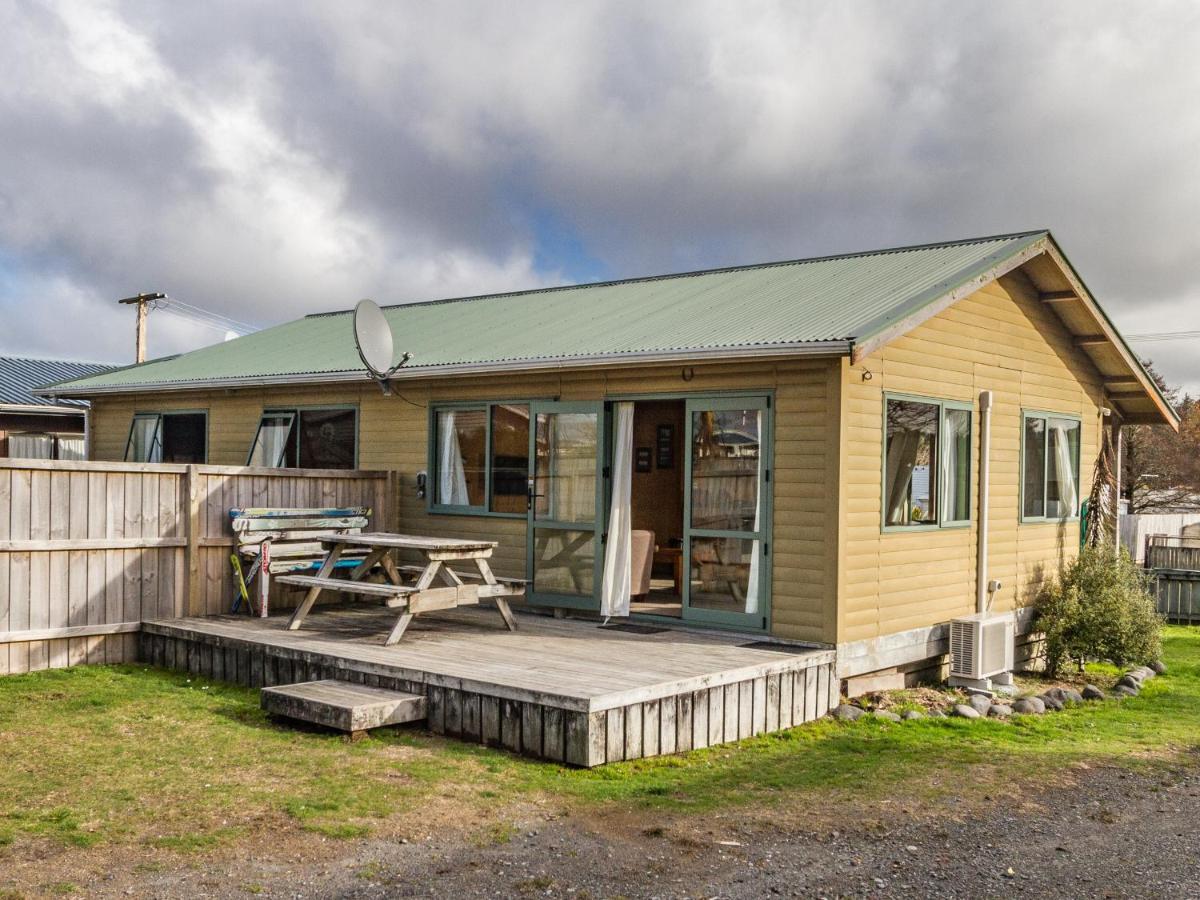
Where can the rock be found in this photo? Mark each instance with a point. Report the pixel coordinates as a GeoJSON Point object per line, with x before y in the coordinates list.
{"type": "Point", "coordinates": [1124, 690]}
{"type": "Point", "coordinates": [965, 711]}
{"type": "Point", "coordinates": [1091, 692]}
{"type": "Point", "coordinates": [999, 711]}
{"type": "Point", "coordinates": [936, 714]}
{"type": "Point", "coordinates": [1158, 667]}
{"type": "Point", "coordinates": [910, 715]}
{"type": "Point", "coordinates": [1052, 703]}
{"type": "Point", "coordinates": [1057, 693]}
{"type": "Point", "coordinates": [979, 703]}
{"type": "Point", "coordinates": [847, 713]}
{"type": "Point", "coordinates": [1146, 672]}
{"type": "Point", "coordinates": [886, 714]}
{"type": "Point", "coordinates": [1072, 696]}
{"type": "Point", "coordinates": [1135, 675]}
{"type": "Point", "coordinates": [1029, 706]}
{"type": "Point", "coordinates": [1132, 683]}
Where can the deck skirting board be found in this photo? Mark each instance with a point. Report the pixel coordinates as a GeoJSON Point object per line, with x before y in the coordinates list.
{"type": "Point", "coordinates": [693, 719]}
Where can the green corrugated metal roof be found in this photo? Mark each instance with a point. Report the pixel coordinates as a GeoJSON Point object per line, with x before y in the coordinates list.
{"type": "Point", "coordinates": [830, 300]}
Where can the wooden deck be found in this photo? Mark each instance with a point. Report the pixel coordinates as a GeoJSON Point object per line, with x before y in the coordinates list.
{"type": "Point", "coordinates": [561, 689]}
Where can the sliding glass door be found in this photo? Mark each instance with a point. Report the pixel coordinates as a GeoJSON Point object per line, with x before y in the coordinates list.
{"type": "Point", "coordinates": [727, 512]}
{"type": "Point", "coordinates": [566, 500]}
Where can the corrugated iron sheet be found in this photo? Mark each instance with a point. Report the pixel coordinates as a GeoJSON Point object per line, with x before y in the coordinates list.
{"type": "Point", "coordinates": [19, 376]}
{"type": "Point", "coordinates": [801, 301]}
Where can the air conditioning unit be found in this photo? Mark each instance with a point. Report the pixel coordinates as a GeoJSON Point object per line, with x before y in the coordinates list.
{"type": "Point", "coordinates": [981, 645]}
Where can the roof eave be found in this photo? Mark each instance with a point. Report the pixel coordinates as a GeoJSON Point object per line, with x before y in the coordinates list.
{"type": "Point", "coordinates": [826, 348]}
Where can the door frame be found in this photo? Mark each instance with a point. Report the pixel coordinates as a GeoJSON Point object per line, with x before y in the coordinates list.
{"type": "Point", "coordinates": [603, 490]}
{"type": "Point", "coordinates": [760, 621]}
{"type": "Point", "coordinates": [767, 439]}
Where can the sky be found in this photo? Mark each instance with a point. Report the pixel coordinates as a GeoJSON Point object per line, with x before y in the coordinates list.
{"type": "Point", "coordinates": [264, 160]}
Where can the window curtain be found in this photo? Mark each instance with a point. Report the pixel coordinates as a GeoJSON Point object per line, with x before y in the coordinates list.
{"type": "Point", "coordinates": [956, 466]}
{"type": "Point", "coordinates": [31, 446]}
{"type": "Point", "coordinates": [901, 460]}
{"type": "Point", "coordinates": [145, 444]}
{"type": "Point", "coordinates": [452, 477]}
{"type": "Point", "coordinates": [756, 546]}
{"type": "Point", "coordinates": [71, 448]}
{"type": "Point", "coordinates": [618, 555]}
{"type": "Point", "coordinates": [1062, 462]}
{"type": "Point", "coordinates": [272, 441]}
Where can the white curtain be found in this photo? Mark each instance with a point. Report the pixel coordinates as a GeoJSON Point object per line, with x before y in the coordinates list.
{"type": "Point", "coordinates": [618, 552]}
{"type": "Point", "coordinates": [1063, 463]}
{"type": "Point", "coordinates": [70, 447]}
{"type": "Point", "coordinates": [756, 546]}
{"type": "Point", "coordinates": [452, 477]}
{"type": "Point", "coordinates": [901, 459]}
{"type": "Point", "coordinates": [31, 446]}
{"type": "Point", "coordinates": [273, 434]}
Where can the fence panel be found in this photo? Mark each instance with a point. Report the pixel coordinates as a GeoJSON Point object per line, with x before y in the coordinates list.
{"type": "Point", "coordinates": [1179, 596]}
{"type": "Point", "coordinates": [89, 550]}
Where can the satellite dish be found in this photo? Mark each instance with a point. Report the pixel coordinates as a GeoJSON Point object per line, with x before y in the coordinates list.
{"type": "Point", "coordinates": [373, 338]}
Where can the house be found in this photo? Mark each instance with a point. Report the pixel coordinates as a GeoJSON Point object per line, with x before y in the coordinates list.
{"type": "Point", "coordinates": [33, 427]}
{"type": "Point", "coordinates": [802, 440]}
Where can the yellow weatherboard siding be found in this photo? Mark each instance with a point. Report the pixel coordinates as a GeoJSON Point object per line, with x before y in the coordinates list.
{"type": "Point", "coordinates": [1002, 338]}
{"type": "Point", "coordinates": [393, 434]}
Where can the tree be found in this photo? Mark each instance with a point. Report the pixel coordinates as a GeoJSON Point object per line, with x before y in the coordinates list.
{"type": "Point", "coordinates": [1160, 468]}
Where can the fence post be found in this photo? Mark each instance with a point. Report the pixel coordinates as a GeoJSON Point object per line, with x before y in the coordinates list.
{"type": "Point", "coordinates": [194, 586]}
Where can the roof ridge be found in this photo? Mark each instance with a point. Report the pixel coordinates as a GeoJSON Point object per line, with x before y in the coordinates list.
{"type": "Point", "coordinates": [55, 359]}
{"type": "Point", "coordinates": [882, 251]}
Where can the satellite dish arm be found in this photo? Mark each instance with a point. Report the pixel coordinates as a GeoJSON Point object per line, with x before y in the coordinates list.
{"type": "Point", "coordinates": [384, 377]}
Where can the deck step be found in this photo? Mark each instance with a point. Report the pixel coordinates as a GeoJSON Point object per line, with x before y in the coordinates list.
{"type": "Point", "coordinates": [341, 705]}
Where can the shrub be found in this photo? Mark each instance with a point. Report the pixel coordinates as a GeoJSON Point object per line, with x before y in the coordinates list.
{"type": "Point", "coordinates": [1099, 607]}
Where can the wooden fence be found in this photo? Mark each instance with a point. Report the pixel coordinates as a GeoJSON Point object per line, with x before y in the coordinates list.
{"type": "Point", "coordinates": [89, 550]}
{"type": "Point", "coordinates": [1178, 596]}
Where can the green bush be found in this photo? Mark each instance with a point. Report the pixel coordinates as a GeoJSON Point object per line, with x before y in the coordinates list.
{"type": "Point", "coordinates": [1099, 607]}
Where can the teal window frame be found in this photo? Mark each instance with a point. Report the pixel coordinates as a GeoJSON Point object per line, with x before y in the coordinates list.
{"type": "Point", "coordinates": [160, 416]}
{"type": "Point", "coordinates": [942, 405]}
{"type": "Point", "coordinates": [431, 481]}
{"type": "Point", "coordinates": [294, 412]}
{"type": "Point", "coordinates": [1026, 415]}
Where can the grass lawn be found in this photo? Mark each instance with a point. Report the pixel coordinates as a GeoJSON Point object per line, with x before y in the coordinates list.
{"type": "Point", "coordinates": [134, 755]}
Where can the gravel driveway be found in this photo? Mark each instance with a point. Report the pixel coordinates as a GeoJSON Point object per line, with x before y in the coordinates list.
{"type": "Point", "coordinates": [1112, 833]}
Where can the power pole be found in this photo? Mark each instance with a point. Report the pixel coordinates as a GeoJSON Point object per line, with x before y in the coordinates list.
{"type": "Point", "coordinates": [141, 300]}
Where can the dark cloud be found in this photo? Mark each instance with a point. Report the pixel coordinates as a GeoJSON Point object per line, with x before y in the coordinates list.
{"type": "Point", "coordinates": [266, 159]}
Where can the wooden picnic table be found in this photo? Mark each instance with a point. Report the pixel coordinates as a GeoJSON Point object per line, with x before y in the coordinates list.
{"type": "Point", "coordinates": [457, 588]}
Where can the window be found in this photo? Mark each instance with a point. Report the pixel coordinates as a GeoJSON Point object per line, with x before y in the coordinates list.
{"type": "Point", "coordinates": [176, 437]}
{"type": "Point", "coordinates": [926, 463]}
{"type": "Point", "coordinates": [306, 438]}
{"type": "Point", "coordinates": [1049, 467]}
{"type": "Point", "coordinates": [480, 458]}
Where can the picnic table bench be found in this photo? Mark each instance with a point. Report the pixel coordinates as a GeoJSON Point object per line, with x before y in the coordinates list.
{"type": "Point", "coordinates": [279, 540]}
{"type": "Point", "coordinates": [374, 549]}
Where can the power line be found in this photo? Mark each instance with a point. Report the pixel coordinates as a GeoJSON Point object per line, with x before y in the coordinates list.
{"type": "Point", "coordinates": [202, 316]}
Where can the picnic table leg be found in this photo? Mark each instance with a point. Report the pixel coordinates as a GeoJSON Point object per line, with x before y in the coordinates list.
{"type": "Point", "coordinates": [397, 631]}
{"type": "Point", "coordinates": [311, 597]}
{"type": "Point", "coordinates": [501, 603]}
{"type": "Point", "coordinates": [423, 582]}
{"type": "Point", "coordinates": [368, 563]}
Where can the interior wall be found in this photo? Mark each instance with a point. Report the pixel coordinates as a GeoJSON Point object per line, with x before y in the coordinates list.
{"type": "Point", "coordinates": [657, 495]}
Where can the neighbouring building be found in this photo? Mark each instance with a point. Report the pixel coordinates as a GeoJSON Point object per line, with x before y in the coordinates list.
{"type": "Point", "coordinates": [33, 427]}
{"type": "Point", "coordinates": [801, 439]}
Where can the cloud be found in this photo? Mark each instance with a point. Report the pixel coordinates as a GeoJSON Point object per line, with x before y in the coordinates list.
{"type": "Point", "coordinates": [267, 160]}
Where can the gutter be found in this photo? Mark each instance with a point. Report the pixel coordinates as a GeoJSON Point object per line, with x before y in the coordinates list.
{"type": "Point", "coordinates": [30, 409]}
{"type": "Point", "coordinates": [833, 348]}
